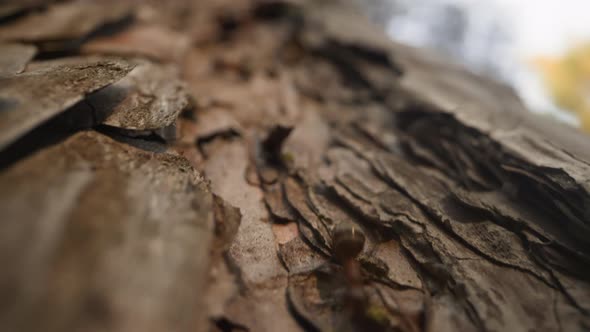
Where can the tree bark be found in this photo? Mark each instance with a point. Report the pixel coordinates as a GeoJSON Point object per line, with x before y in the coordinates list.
{"type": "Point", "coordinates": [322, 177]}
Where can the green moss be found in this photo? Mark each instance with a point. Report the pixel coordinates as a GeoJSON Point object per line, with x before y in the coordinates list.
{"type": "Point", "coordinates": [287, 158]}
{"type": "Point", "coordinates": [377, 313]}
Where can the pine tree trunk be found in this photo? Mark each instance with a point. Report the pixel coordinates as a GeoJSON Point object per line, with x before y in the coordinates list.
{"type": "Point", "coordinates": [274, 166]}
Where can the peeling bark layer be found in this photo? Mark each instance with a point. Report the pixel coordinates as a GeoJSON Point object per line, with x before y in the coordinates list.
{"type": "Point", "coordinates": [323, 178]}
{"type": "Point", "coordinates": [15, 57]}
{"type": "Point", "coordinates": [33, 97]}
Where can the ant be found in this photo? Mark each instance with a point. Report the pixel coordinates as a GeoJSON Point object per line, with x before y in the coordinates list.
{"type": "Point", "coordinates": [348, 241]}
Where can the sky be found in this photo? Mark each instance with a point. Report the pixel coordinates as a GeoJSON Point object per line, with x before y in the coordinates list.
{"type": "Point", "coordinates": [545, 27]}
{"type": "Point", "coordinates": [533, 28]}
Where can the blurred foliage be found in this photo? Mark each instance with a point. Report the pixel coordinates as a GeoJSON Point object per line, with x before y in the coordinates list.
{"type": "Point", "coordinates": [568, 79]}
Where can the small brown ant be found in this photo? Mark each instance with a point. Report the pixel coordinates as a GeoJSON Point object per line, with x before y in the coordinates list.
{"type": "Point", "coordinates": [348, 241]}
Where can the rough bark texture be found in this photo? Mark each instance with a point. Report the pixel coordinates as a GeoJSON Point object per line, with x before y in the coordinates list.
{"type": "Point", "coordinates": [322, 178]}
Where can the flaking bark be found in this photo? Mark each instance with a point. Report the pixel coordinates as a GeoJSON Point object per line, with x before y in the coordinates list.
{"type": "Point", "coordinates": [323, 178]}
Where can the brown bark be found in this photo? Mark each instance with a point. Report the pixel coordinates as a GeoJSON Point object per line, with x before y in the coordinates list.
{"type": "Point", "coordinates": [322, 178]}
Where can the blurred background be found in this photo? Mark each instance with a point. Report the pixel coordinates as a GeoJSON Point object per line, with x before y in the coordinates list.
{"type": "Point", "coordinates": [539, 47]}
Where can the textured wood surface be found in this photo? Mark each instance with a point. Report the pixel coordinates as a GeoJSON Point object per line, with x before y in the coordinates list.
{"type": "Point", "coordinates": [323, 178]}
